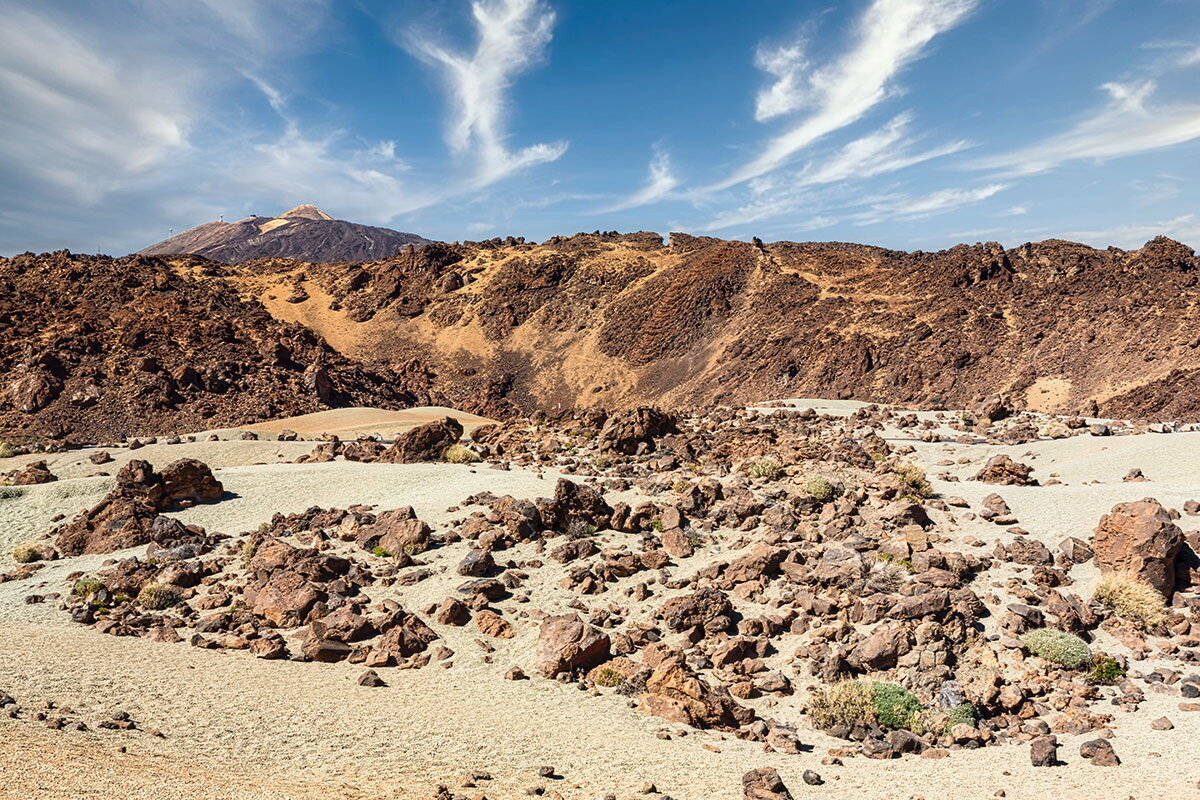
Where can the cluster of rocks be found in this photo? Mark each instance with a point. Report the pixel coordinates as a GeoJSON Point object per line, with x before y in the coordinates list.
{"type": "Point", "coordinates": [64, 718]}
{"type": "Point", "coordinates": [755, 560]}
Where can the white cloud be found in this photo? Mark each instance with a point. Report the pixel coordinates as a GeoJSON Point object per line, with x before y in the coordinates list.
{"type": "Point", "coordinates": [1126, 125]}
{"type": "Point", "coordinates": [788, 93]}
{"type": "Point", "coordinates": [1190, 59]}
{"type": "Point", "coordinates": [885, 150]}
{"type": "Point", "coordinates": [84, 120]}
{"type": "Point", "coordinates": [360, 184]}
{"type": "Point", "coordinates": [512, 37]}
{"type": "Point", "coordinates": [660, 182]}
{"type": "Point", "coordinates": [939, 202]}
{"type": "Point", "coordinates": [888, 149]}
{"type": "Point", "coordinates": [889, 35]}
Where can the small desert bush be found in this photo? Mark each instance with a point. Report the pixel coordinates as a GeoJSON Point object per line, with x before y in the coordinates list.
{"type": "Point", "coordinates": [965, 714]}
{"type": "Point", "coordinates": [157, 597]}
{"type": "Point", "coordinates": [1062, 648]}
{"type": "Point", "coordinates": [846, 703]}
{"type": "Point", "coordinates": [767, 468]}
{"type": "Point", "coordinates": [26, 553]}
{"type": "Point", "coordinates": [682, 485]}
{"type": "Point", "coordinates": [895, 706]}
{"type": "Point", "coordinates": [820, 489]}
{"type": "Point", "coordinates": [1105, 671]}
{"type": "Point", "coordinates": [460, 454]}
{"type": "Point", "coordinates": [1131, 598]}
{"type": "Point", "coordinates": [885, 575]}
{"type": "Point", "coordinates": [580, 529]}
{"type": "Point", "coordinates": [608, 678]}
{"type": "Point", "coordinates": [86, 586]}
{"type": "Point", "coordinates": [602, 461]}
{"type": "Point", "coordinates": [914, 478]}
{"type": "Point", "coordinates": [377, 550]}
{"type": "Point", "coordinates": [8, 451]}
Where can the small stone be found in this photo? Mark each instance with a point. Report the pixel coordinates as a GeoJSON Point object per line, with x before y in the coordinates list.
{"type": "Point", "coordinates": [812, 778]}
{"type": "Point", "coordinates": [370, 678]}
{"type": "Point", "coordinates": [1101, 752]}
{"type": "Point", "coordinates": [1162, 724]}
{"type": "Point", "coordinates": [1043, 751]}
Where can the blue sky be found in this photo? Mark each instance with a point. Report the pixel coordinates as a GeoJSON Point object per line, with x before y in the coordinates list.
{"type": "Point", "coordinates": [912, 124]}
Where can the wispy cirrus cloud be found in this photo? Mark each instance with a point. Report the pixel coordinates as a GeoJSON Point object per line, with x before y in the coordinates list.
{"type": "Point", "coordinates": [511, 38]}
{"type": "Point", "coordinates": [660, 182]}
{"type": "Point", "coordinates": [888, 149]}
{"type": "Point", "coordinates": [889, 36]}
{"type": "Point", "coordinates": [79, 120]}
{"type": "Point", "coordinates": [939, 202]}
{"type": "Point", "coordinates": [1127, 124]}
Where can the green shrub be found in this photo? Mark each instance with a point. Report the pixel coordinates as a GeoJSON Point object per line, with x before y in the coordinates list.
{"type": "Point", "coordinates": [895, 706]}
{"type": "Point", "coordinates": [157, 597]}
{"type": "Point", "coordinates": [26, 553]}
{"type": "Point", "coordinates": [377, 550]}
{"type": "Point", "coordinates": [820, 489]}
{"type": "Point", "coordinates": [914, 478]}
{"type": "Point", "coordinates": [682, 485]}
{"type": "Point", "coordinates": [602, 461]}
{"type": "Point", "coordinates": [846, 703]}
{"type": "Point", "coordinates": [460, 454]}
{"type": "Point", "coordinates": [8, 451]}
{"type": "Point", "coordinates": [1131, 598]}
{"type": "Point", "coordinates": [965, 714]}
{"type": "Point", "coordinates": [608, 678]}
{"type": "Point", "coordinates": [1105, 671]}
{"type": "Point", "coordinates": [767, 468]}
{"type": "Point", "coordinates": [1062, 648]}
{"type": "Point", "coordinates": [657, 525]}
{"type": "Point", "coordinates": [414, 549]}
{"type": "Point", "coordinates": [85, 586]}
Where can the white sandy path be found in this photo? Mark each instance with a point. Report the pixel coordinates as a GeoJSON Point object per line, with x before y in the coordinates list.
{"type": "Point", "coordinates": [350, 421]}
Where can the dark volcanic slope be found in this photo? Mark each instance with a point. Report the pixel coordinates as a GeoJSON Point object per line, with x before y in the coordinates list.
{"type": "Point", "coordinates": [97, 347]}
{"type": "Point", "coordinates": [620, 320]}
{"type": "Point", "coordinates": [305, 233]}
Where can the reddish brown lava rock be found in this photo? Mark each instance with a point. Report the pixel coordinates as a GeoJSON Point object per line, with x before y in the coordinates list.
{"type": "Point", "coordinates": [1139, 538]}
{"type": "Point", "coordinates": [566, 643]}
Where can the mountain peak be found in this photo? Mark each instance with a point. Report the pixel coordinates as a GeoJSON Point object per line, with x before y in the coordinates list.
{"type": "Point", "coordinates": [305, 212]}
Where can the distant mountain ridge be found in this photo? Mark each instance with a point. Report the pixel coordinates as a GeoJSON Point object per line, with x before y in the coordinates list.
{"type": "Point", "coordinates": [305, 232]}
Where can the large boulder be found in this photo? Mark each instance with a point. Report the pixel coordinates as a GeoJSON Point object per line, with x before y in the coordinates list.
{"type": "Point", "coordinates": [426, 442]}
{"type": "Point", "coordinates": [880, 651]}
{"type": "Point", "coordinates": [1004, 471]}
{"type": "Point", "coordinates": [30, 475]}
{"type": "Point", "coordinates": [566, 643]}
{"type": "Point", "coordinates": [764, 783]}
{"type": "Point", "coordinates": [677, 694]}
{"type": "Point", "coordinates": [707, 609]}
{"type": "Point", "coordinates": [635, 430]}
{"type": "Point", "coordinates": [397, 531]}
{"type": "Point", "coordinates": [1139, 538]}
{"type": "Point", "coordinates": [187, 482]}
{"type": "Point", "coordinates": [128, 516]}
{"type": "Point", "coordinates": [33, 391]}
{"type": "Point", "coordinates": [575, 503]}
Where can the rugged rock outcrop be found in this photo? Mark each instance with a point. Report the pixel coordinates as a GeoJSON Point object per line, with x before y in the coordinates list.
{"type": "Point", "coordinates": [97, 348]}
{"type": "Point", "coordinates": [129, 515]}
{"type": "Point", "coordinates": [1139, 538]}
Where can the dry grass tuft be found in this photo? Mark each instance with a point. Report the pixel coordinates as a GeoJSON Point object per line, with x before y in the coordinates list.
{"type": "Point", "coordinates": [1131, 598]}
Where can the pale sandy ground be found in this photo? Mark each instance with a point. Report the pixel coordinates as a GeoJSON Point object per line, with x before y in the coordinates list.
{"type": "Point", "coordinates": [346, 422]}
{"type": "Point", "coordinates": [238, 727]}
